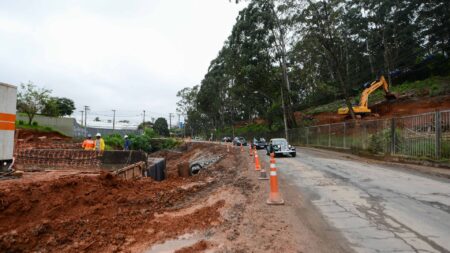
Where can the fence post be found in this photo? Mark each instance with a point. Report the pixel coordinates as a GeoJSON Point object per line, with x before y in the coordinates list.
{"type": "Point", "coordinates": [393, 136]}
{"type": "Point", "coordinates": [329, 135]}
{"type": "Point", "coordinates": [438, 131]}
{"type": "Point", "coordinates": [345, 132]}
{"type": "Point", "coordinates": [307, 136]}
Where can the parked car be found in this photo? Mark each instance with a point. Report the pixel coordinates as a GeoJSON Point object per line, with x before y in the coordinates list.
{"type": "Point", "coordinates": [280, 146]}
{"type": "Point", "coordinates": [238, 140]}
{"type": "Point", "coordinates": [227, 139]}
{"type": "Point", "coordinates": [259, 143]}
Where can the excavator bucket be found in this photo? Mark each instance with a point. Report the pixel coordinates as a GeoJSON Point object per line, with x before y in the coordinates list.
{"type": "Point", "coordinates": [390, 96]}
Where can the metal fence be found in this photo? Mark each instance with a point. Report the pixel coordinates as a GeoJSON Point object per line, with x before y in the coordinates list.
{"type": "Point", "coordinates": [423, 136]}
{"type": "Point", "coordinates": [420, 136]}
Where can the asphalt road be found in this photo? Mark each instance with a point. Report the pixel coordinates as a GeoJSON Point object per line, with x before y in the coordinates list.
{"type": "Point", "coordinates": [377, 207]}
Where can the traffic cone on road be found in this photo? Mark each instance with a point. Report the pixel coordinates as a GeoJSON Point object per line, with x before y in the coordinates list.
{"type": "Point", "coordinates": [250, 151]}
{"type": "Point", "coordinates": [263, 174]}
{"type": "Point", "coordinates": [257, 165]}
{"type": "Point", "coordinates": [228, 147]}
{"type": "Point", "coordinates": [274, 195]}
{"type": "Point", "coordinates": [242, 148]}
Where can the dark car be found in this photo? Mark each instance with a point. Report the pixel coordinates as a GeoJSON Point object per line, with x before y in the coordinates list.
{"type": "Point", "coordinates": [227, 139]}
{"type": "Point", "coordinates": [259, 143]}
{"type": "Point", "coordinates": [237, 141]}
{"type": "Point", "coordinates": [280, 146]}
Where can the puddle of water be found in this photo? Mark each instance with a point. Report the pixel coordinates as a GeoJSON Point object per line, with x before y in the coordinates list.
{"type": "Point", "coordinates": [171, 245]}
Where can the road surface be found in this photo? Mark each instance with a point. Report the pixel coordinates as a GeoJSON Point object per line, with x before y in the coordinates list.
{"type": "Point", "coordinates": [377, 207]}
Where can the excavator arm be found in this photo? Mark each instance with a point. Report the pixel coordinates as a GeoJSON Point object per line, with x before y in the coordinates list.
{"type": "Point", "coordinates": [364, 100]}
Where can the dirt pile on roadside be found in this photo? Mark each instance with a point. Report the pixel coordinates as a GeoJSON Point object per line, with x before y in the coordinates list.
{"type": "Point", "coordinates": [103, 213]}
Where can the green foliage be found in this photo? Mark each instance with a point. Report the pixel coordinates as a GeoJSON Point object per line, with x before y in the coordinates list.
{"type": "Point", "coordinates": [51, 108]}
{"type": "Point", "coordinates": [334, 47]}
{"type": "Point", "coordinates": [140, 142]}
{"type": "Point", "coordinates": [31, 100]}
{"type": "Point", "coordinates": [35, 127]}
{"type": "Point", "coordinates": [114, 141]}
{"type": "Point", "coordinates": [161, 127]}
{"type": "Point", "coordinates": [164, 143]}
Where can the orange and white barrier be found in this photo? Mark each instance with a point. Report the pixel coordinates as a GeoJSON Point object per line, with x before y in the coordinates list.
{"type": "Point", "coordinates": [274, 195]}
{"type": "Point", "coordinates": [257, 164]}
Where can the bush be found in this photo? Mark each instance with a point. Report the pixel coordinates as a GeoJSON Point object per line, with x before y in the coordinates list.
{"type": "Point", "coordinates": [35, 124]}
{"type": "Point", "coordinates": [114, 141]}
{"type": "Point", "coordinates": [140, 142]}
{"type": "Point", "coordinates": [21, 122]}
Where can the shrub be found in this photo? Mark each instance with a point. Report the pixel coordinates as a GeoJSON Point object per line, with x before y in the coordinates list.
{"type": "Point", "coordinates": [114, 141]}
{"type": "Point", "coordinates": [35, 124]}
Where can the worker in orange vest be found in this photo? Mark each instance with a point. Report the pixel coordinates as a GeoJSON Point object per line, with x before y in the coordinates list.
{"type": "Point", "coordinates": [89, 143]}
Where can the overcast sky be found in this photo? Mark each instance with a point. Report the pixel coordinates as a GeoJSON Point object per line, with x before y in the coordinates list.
{"type": "Point", "coordinates": [127, 55]}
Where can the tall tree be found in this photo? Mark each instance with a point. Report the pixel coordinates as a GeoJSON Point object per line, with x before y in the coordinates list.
{"type": "Point", "coordinates": [31, 100]}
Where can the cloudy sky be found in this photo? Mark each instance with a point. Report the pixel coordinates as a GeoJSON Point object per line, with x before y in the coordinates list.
{"type": "Point", "coordinates": [113, 54]}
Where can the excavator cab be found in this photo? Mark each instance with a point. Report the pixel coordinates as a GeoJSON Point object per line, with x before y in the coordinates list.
{"type": "Point", "coordinates": [363, 107]}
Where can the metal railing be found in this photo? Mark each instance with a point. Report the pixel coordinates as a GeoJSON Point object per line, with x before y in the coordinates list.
{"type": "Point", "coordinates": [420, 136]}
{"type": "Point", "coordinates": [423, 136]}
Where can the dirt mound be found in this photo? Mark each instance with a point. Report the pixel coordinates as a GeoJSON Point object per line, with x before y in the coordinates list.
{"type": "Point", "coordinates": [83, 213]}
{"type": "Point", "coordinates": [102, 213]}
{"type": "Point", "coordinates": [200, 246]}
{"type": "Point", "coordinates": [401, 107]}
{"type": "Point", "coordinates": [33, 135]}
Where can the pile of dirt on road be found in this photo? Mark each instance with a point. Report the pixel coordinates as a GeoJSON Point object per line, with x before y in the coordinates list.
{"type": "Point", "coordinates": [103, 213]}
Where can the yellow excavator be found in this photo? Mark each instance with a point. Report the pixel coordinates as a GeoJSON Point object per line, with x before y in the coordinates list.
{"type": "Point", "coordinates": [363, 107]}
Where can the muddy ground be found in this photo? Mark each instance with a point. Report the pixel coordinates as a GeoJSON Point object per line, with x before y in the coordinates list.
{"type": "Point", "coordinates": [222, 209]}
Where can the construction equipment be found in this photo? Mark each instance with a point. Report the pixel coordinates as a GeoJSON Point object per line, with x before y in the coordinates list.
{"type": "Point", "coordinates": [363, 107]}
{"type": "Point", "coordinates": [8, 96]}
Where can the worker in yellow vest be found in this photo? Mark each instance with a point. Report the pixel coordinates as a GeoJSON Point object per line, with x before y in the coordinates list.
{"type": "Point", "coordinates": [99, 142]}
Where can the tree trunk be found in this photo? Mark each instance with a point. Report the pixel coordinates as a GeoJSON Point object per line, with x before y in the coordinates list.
{"type": "Point", "coordinates": [284, 114]}
{"type": "Point", "coordinates": [30, 118]}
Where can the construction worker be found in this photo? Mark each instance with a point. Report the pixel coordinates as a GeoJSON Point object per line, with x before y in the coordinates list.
{"type": "Point", "coordinates": [89, 143]}
{"type": "Point", "coordinates": [99, 142]}
{"type": "Point", "coordinates": [127, 143]}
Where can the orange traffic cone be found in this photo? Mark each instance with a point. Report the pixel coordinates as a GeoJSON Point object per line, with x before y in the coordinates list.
{"type": "Point", "coordinates": [274, 196]}
{"type": "Point", "coordinates": [263, 174]}
{"type": "Point", "coordinates": [242, 148]}
{"type": "Point", "coordinates": [257, 165]}
{"type": "Point", "coordinates": [250, 151]}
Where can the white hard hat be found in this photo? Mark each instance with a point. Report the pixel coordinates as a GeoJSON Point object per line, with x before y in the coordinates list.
{"type": "Point", "coordinates": [98, 135]}
{"type": "Point", "coordinates": [126, 136]}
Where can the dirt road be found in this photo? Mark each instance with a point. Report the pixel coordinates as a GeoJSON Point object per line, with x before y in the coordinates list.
{"type": "Point", "coordinates": [377, 207]}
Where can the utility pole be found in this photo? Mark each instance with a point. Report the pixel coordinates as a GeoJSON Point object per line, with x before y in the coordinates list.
{"type": "Point", "coordinates": [170, 120]}
{"type": "Point", "coordinates": [86, 109]}
{"type": "Point", "coordinates": [179, 120]}
{"type": "Point", "coordinates": [114, 119]}
{"type": "Point", "coordinates": [143, 122]}
{"type": "Point", "coordinates": [82, 117]}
